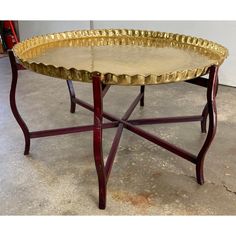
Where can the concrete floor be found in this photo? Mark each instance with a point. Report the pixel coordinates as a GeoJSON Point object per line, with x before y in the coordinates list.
{"type": "Point", "coordinates": [59, 177]}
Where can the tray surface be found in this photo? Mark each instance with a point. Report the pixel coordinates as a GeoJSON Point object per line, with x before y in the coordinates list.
{"type": "Point", "coordinates": [125, 57]}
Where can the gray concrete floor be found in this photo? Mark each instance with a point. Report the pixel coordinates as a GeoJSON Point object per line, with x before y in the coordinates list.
{"type": "Point", "coordinates": [59, 177]}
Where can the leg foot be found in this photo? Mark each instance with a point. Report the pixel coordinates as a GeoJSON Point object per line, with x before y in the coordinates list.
{"type": "Point", "coordinates": [27, 146]}
{"type": "Point", "coordinates": [199, 173]}
{"type": "Point", "coordinates": [102, 196]}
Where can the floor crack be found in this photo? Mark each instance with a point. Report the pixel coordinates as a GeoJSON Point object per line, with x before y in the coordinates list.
{"type": "Point", "coordinates": [228, 189]}
{"type": "Point", "coordinates": [223, 185]}
{"type": "Point", "coordinates": [209, 182]}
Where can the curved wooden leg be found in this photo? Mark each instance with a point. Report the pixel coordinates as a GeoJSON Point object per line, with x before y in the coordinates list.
{"type": "Point", "coordinates": [204, 120]}
{"type": "Point", "coordinates": [97, 140]}
{"type": "Point", "coordinates": [72, 95]}
{"type": "Point", "coordinates": [142, 89]}
{"type": "Point", "coordinates": [14, 109]}
{"type": "Point", "coordinates": [211, 107]}
{"type": "Point", "coordinates": [205, 111]}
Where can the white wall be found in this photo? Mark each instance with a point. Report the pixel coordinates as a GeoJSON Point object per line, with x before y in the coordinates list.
{"type": "Point", "coordinates": [28, 29]}
{"type": "Point", "coordinates": [223, 32]}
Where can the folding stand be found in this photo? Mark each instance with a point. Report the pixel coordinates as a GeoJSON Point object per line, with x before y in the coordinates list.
{"type": "Point", "coordinates": [99, 91]}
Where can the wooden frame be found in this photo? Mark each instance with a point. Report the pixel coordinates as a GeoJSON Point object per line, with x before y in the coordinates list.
{"type": "Point", "coordinates": [99, 91]}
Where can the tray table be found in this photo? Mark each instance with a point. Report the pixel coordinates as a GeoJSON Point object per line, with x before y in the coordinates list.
{"type": "Point", "coordinates": [125, 57]}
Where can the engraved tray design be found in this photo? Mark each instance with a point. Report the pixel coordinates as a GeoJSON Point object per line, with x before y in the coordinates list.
{"type": "Point", "coordinates": [120, 56]}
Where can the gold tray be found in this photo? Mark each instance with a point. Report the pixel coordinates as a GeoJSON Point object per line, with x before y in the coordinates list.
{"type": "Point", "coordinates": [120, 56]}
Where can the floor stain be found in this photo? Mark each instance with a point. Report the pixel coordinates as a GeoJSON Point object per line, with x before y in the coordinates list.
{"type": "Point", "coordinates": [156, 174]}
{"type": "Point", "coordinates": [141, 200]}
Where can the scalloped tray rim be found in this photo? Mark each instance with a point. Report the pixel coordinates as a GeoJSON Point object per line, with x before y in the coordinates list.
{"type": "Point", "coordinates": [111, 78]}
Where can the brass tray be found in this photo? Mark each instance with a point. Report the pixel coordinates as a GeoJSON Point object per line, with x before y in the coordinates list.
{"type": "Point", "coordinates": [120, 56]}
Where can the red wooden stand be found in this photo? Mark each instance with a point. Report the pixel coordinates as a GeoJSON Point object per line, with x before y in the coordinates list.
{"type": "Point", "coordinates": [99, 91]}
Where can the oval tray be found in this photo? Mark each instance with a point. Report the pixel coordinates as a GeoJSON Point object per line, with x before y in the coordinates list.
{"type": "Point", "coordinates": [120, 56]}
